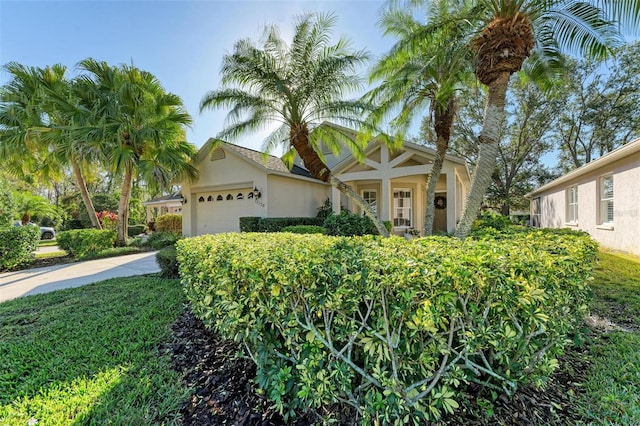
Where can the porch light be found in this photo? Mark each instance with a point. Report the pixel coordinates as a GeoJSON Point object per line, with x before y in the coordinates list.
{"type": "Point", "coordinates": [183, 200]}
{"type": "Point", "coordinates": [256, 193]}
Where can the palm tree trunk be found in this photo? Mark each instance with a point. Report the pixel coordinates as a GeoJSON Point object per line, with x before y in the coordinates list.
{"type": "Point", "coordinates": [488, 140]}
{"type": "Point", "coordinates": [432, 180]}
{"type": "Point", "coordinates": [312, 161]}
{"type": "Point", "coordinates": [84, 193]}
{"type": "Point", "coordinates": [123, 208]}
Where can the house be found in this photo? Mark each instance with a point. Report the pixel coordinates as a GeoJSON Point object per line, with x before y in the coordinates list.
{"type": "Point", "coordinates": [236, 182]}
{"type": "Point", "coordinates": [163, 205]}
{"type": "Point", "coordinates": [601, 198]}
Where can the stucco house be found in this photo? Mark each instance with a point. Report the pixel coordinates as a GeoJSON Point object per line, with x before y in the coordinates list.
{"type": "Point", "coordinates": [163, 205]}
{"type": "Point", "coordinates": [236, 182]}
{"type": "Point", "coordinates": [601, 198]}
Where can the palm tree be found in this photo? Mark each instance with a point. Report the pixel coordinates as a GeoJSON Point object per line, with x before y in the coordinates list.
{"type": "Point", "coordinates": [29, 205]}
{"type": "Point", "coordinates": [514, 30]}
{"type": "Point", "coordinates": [425, 68]}
{"type": "Point", "coordinates": [139, 126]}
{"type": "Point", "coordinates": [32, 117]}
{"type": "Point", "coordinates": [298, 87]}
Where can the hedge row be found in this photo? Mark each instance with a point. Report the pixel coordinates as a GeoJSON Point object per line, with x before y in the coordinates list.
{"type": "Point", "coordinates": [18, 245]}
{"type": "Point", "coordinates": [169, 223]}
{"type": "Point", "coordinates": [275, 224]}
{"type": "Point", "coordinates": [392, 328]}
{"type": "Point", "coordinates": [85, 242]}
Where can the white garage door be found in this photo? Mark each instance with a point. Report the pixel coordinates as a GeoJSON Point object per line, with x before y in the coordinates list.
{"type": "Point", "coordinates": [218, 212]}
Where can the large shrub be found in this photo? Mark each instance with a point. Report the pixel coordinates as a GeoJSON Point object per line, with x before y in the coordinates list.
{"type": "Point", "coordinates": [159, 240]}
{"type": "Point", "coordinates": [305, 229]}
{"type": "Point", "coordinates": [275, 224]}
{"type": "Point", "coordinates": [169, 223]}
{"type": "Point", "coordinates": [348, 224]}
{"type": "Point", "coordinates": [249, 223]}
{"type": "Point", "coordinates": [393, 328]}
{"type": "Point", "coordinates": [134, 230]}
{"type": "Point", "coordinates": [168, 263]}
{"type": "Point", "coordinates": [18, 245]}
{"type": "Point", "coordinates": [85, 242]}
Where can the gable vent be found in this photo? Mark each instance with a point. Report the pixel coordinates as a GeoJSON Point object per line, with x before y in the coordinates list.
{"type": "Point", "coordinates": [218, 154]}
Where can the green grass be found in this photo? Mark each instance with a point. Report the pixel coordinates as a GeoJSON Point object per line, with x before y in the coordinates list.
{"type": "Point", "coordinates": [47, 243]}
{"type": "Point", "coordinates": [612, 389]}
{"type": "Point", "coordinates": [90, 355]}
{"type": "Point", "coordinates": [114, 251]}
{"type": "Point", "coordinates": [51, 254]}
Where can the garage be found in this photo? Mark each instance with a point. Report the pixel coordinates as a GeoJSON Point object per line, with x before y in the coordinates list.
{"type": "Point", "coordinates": [219, 211]}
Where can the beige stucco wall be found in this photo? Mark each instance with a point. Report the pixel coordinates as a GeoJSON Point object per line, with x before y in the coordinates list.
{"type": "Point", "coordinates": [228, 174]}
{"type": "Point", "coordinates": [293, 197]}
{"type": "Point", "coordinates": [625, 233]}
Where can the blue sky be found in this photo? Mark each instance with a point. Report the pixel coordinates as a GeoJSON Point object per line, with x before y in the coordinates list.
{"type": "Point", "coordinates": [181, 42]}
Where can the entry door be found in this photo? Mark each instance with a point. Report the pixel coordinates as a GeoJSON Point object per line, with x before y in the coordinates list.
{"type": "Point", "coordinates": [402, 209]}
{"type": "Point", "coordinates": [440, 214]}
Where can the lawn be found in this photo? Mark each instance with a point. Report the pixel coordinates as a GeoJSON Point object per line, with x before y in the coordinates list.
{"type": "Point", "coordinates": [90, 355]}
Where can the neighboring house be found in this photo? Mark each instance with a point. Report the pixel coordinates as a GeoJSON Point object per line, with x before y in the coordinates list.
{"type": "Point", "coordinates": [601, 197]}
{"type": "Point", "coordinates": [236, 182]}
{"type": "Point", "coordinates": [163, 205]}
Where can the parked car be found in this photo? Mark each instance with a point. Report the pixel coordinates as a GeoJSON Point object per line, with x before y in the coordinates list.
{"type": "Point", "coordinates": [46, 233]}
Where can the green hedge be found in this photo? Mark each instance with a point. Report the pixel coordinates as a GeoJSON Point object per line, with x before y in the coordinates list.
{"type": "Point", "coordinates": [18, 245]}
{"type": "Point", "coordinates": [168, 263]}
{"type": "Point", "coordinates": [249, 224]}
{"type": "Point", "coordinates": [275, 224]}
{"type": "Point", "coordinates": [135, 230]}
{"type": "Point", "coordinates": [169, 223]}
{"type": "Point", "coordinates": [305, 229]}
{"type": "Point", "coordinates": [393, 328]}
{"type": "Point", "coordinates": [159, 240]}
{"type": "Point", "coordinates": [348, 224]}
{"type": "Point", "coordinates": [85, 242]}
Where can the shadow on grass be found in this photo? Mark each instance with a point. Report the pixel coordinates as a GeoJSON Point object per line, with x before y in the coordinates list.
{"type": "Point", "coordinates": [90, 355]}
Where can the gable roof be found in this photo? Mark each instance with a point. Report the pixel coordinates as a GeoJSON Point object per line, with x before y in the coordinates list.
{"type": "Point", "coordinates": [615, 155]}
{"type": "Point", "coordinates": [171, 197]}
{"type": "Point", "coordinates": [270, 163]}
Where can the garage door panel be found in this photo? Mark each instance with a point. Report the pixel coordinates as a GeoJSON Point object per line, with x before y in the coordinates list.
{"type": "Point", "coordinates": [218, 212]}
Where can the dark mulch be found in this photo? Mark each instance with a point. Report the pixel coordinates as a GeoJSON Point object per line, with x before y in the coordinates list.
{"type": "Point", "coordinates": [224, 392]}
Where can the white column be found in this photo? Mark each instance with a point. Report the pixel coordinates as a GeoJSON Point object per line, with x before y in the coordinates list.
{"type": "Point", "coordinates": [385, 201]}
{"type": "Point", "coordinates": [335, 200]}
{"type": "Point", "coordinates": [451, 201]}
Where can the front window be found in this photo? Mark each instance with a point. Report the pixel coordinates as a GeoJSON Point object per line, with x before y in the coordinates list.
{"type": "Point", "coordinates": [371, 197]}
{"type": "Point", "coordinates": [402, 211]}
{"type": "Point", "coordinates": [606, 199]}
{"type": "Point", "coordinates": [535, 212]}
{"type": "Point", "coordinates": [572, 204]}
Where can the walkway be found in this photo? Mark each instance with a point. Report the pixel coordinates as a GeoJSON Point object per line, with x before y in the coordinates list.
{"type": "Point", "coordinates": [50, 278]}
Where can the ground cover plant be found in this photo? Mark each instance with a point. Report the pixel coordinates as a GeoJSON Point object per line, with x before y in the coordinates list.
{"type": "Point", "coordinates": [392, 329]}
{"type": "Point", "coordinates": [90, 355]}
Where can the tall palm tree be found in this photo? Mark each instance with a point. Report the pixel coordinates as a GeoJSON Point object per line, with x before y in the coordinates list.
{"type": "Point", "coordinates": [139, 126]}
{"type": "Point", "coordinates": [298, 87]}
{"type": "Point", "coordinates": [532, 33]}
{"type": "Point", "coordinates": [32, 118]}
{"type": "Point", "coordinates": [425, 69]}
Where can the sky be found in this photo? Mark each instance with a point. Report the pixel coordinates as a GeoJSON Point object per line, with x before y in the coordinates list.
{"type": "Point", "coordinates": [181, 42]}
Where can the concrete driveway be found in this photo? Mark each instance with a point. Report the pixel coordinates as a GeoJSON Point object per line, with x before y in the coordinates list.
{"type": "Point", "coordinates": [50, 278]}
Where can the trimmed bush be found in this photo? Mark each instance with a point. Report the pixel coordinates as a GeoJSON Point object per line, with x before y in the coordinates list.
{"type": "Point", "coordinates": [393, 328]}
{"type": "Point", "coordinates": [169, 223]}
{"type": "Point", "coordinates": [168, 263]}
{"type": "Point", "coordinates": [134, 230]}
{"type": "Point", "coordinates": [275, 224]}
{"type": "Point", "coordinates": [18, 245]}
{"type": "Point", "coordinates": [249, 224]}
{"type": "Point", "coordinates": [85, 242]}
{"type": "Point", "coordinates": [159, 240]}
{"type": "Point", "coordinates": [347, 224]}
{"type": "Point", "coordinates": [305, 229]}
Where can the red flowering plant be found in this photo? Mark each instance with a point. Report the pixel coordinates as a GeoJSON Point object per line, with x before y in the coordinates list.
{"type": "Point", "coordinates": [108, 220]}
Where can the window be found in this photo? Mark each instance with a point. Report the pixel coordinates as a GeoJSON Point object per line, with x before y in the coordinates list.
{"type": "Point", "coordinates": [606, 200]}
{"type": "Point", "coordinates": [219, 198]}
{"type": "Point", "coordinates": [229, 197]}
{"type": "Point", "coordinates": [370, 196]}
{"type": "Point", "coordinates": [201, 200]}
{"type": "Point", "coordinates": [402, 212]}
{"type": "Point", "coordinates": [572, 204]}
{"type": "Point", "coordinates": [210, 198]}
{"type": "Point", "coordinates": [535, 212]}
{"type": "Point", "coordinates": [239, 196]}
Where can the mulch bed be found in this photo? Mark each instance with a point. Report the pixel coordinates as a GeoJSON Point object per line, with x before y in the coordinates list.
{"type": "Point", "coordinates": [225, 393]}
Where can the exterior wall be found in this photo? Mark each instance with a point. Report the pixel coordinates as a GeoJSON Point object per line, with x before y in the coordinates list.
{"type": "Point", "coordinates": [287, 197]}
{"type": "Point", "coordinates": [229, 174]}
{"type": "Point", "coordinates": [624, 233]}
